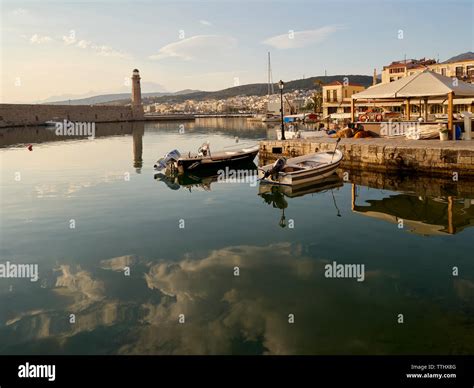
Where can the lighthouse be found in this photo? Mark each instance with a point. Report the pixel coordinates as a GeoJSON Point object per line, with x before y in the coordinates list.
{"type": "Point", "coordinates": [137, 107]}
{"type": "Point", "coordinates": [136, 89]}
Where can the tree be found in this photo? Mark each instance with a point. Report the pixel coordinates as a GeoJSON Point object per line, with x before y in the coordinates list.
{"type": "Point", "coordinates": [317, 97]}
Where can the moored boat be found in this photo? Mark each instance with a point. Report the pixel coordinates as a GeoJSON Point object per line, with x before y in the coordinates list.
{"type": "Point", "coordinates": [271, 119]}
{"type": "Point", "coordinates": [294, 133]}
{"type": "Point", "coordinates": [302, 169]}
{"type": "Point", "coordinates": [53, 122]}
{"type": "Point", "coordinates": [206, 160]}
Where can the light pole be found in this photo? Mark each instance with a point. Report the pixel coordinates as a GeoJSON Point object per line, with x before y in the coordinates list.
{"type": "Point", "coordinates": [281, 84]}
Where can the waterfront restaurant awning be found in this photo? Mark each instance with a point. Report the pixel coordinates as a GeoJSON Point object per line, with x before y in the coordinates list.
{"type": "Point", "coordinates": [424, 84]}
{"type": "Point", "coordinates": [418, 86]}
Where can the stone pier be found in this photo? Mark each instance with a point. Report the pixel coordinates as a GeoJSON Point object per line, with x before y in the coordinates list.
{"type": "Point", "coordinates": [429, 157]}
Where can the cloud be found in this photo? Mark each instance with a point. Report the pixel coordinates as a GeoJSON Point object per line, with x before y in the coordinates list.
{"type": "Point", "coordinates": [69, 39]}
{"type": "Point", "coordinates": [100, 49]}
{"type": "Point", "coordinates": [198, 46]}
{"type": "Point", "coordinates": [19, 12]}
{"type": "Point", "coordinates": [298, 39]}
{"type": "Point", "coordinates": [107, 51]}
{"type": "Point", "coordinates": [83, 44]}
{"type": "Point", "coordinates": [38, 39]}
{"type": "Point", "coordinates": [205, 23]}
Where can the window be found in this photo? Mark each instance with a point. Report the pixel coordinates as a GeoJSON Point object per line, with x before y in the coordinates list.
{"type": "Point", "coordinates": [459, 71]}
{"type": "Point", "coordinates": [460, 108]}
{"type": "Point", "coordinates": [334, 95]}
{"type": "Point", "coordinates": [470, 71]}
{"type": "Point", "coordinates": [436, 108]}
{"type": "Point", "coordinates": [345, 93]}
{"type": "Point", "coordinates": [443, 71]}
{"type": "Point", "coordinates": [397, 70]}
{"type": "Point", "coordinates": [328, 95]}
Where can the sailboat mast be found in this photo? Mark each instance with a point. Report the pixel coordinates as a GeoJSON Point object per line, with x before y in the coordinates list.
{"type": "Point", "coordinates": [268, 75]}
{"type": "Point", "coordinates": [270, 89]}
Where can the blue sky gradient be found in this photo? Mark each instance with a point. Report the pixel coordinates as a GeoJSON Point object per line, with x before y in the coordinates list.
{"type": "Point", "coordinates": [224, 42]}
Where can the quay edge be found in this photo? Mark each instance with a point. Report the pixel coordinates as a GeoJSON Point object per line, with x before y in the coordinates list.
{"type": "Point", "coordinates": [427, 157]}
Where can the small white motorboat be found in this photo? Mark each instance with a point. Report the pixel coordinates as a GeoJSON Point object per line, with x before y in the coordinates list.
{"type": "Point", "coordinates": [271, 119]}
{"type": "Point", "coordinates": [302, 169]}
{"type": "Point", "coordinates": [52, 123]}
{"type": "Point", "coordinates": [293, 133]}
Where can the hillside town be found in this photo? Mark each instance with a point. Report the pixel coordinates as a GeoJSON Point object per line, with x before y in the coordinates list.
{"type": "Point", "coordinates": [300, 100]}
{"type": "Point", "coordinates": [332, 99]}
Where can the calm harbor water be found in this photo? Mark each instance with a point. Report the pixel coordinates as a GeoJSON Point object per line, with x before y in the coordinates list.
{"type": "Point", "coordinates": [279, 240]}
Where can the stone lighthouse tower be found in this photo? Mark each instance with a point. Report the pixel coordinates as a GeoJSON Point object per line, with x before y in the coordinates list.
{"type": "Point", "coordinates": [137, 107]}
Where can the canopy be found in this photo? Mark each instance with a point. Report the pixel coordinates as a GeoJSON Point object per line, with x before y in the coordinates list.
{"type": "Point", "coordinates": [423, 84]}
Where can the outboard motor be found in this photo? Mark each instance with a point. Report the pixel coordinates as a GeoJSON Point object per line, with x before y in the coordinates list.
{"type": "Point", "coordinates": [276, 168]}
{"type": "Point", "coordinates": [170, 157]}
{"type": "Point", "coordinates": [204, 150]}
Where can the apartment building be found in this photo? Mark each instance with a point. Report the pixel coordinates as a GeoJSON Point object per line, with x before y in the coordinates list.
{"type": "Point", "coordinates": [337, 97]}
{"type": "Point", "coordinates": [461, 69]}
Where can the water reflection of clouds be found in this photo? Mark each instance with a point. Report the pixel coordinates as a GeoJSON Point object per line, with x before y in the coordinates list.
{"type": "Point", "coordinates": [70, 189]}
{"type": "Point", "coordinates": [233, 314]}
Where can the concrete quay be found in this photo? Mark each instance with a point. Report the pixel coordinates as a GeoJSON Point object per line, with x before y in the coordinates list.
{"type": "Point", "coordinates": [448, 159]}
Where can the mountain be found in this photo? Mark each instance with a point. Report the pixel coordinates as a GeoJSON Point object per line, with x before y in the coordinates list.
{"type": "Point", "coordinates": [65, 97]}
{"type": "Point", "coordinates": [108, 98]}
{"type": "Point", "coordinates": [251, 89]}
{"type": "Point", "coordinates": [469, 55]}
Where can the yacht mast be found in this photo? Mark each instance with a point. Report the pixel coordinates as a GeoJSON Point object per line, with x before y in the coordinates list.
{"type": "Point", "coordinates": [270, 89]}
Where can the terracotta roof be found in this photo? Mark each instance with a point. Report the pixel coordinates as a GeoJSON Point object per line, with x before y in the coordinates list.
{"type": "Point", "coordinates": [396, 64]}
{"type": "Point", "coordinates": [411, 63]}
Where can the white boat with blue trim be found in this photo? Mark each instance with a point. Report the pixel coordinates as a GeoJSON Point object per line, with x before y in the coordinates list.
{"type": "Point", "coordinates": [302, 169]}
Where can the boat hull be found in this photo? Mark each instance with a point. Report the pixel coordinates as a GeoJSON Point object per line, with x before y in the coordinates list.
{"type": "Point", "coordinates": [302, 176]}
{"type": "Point", "coordinates": [214, 163]}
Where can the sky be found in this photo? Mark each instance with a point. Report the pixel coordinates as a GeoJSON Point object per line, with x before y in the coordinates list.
{"type": "Point", "coordinates": [73, 49]}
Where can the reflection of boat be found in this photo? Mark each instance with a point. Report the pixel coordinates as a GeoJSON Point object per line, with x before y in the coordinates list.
{"type": "Point", "coordinates": [302, 169]}
{"type": "Point", "coordinates": [331, 182]}
{"type": "Point", "coordinates": [176, 181]}
{"type": "Point", "coordinates": [258, 118]}
{"type": "Point", "coordinates": [201, 179]}
{"type": "Point", "coordinates": [205, 160]}
{"type": "Point", "coordinates": [275, 194]}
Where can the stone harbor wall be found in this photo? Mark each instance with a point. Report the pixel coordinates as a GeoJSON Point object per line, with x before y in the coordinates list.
{"type": "Point", "coordinates": [431, 157]}
{"type": "Point", "coordinates": [12, 115]}
{"type": "Point", "coordinates": [36, 134]}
